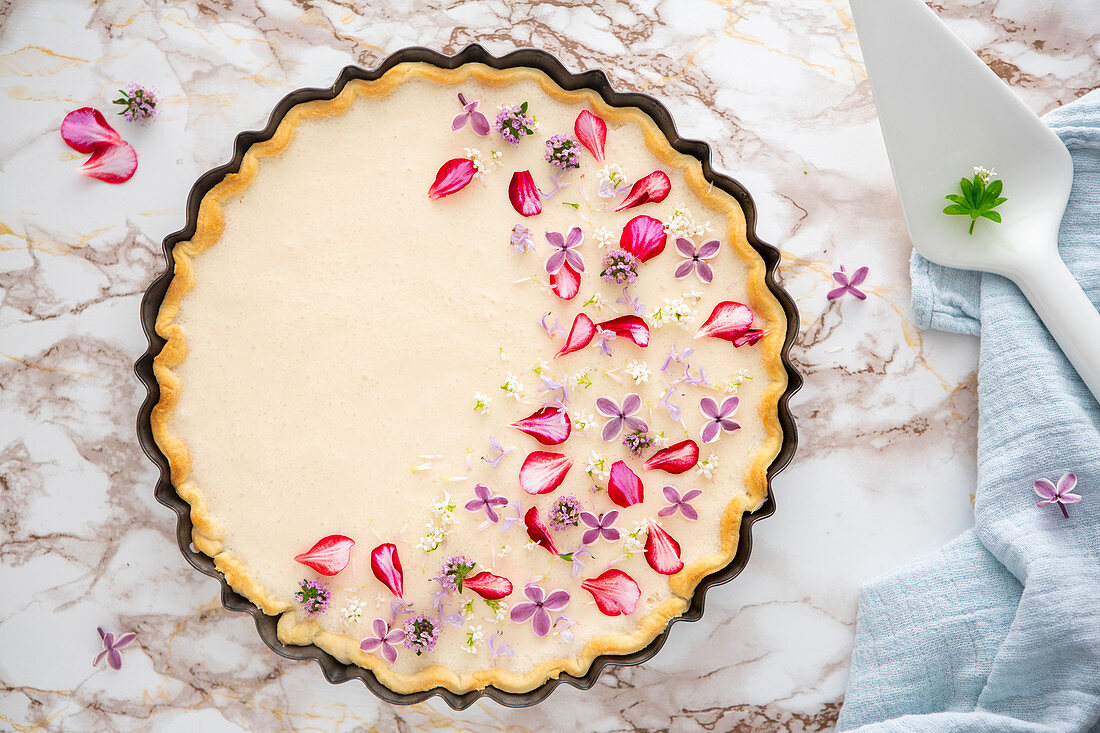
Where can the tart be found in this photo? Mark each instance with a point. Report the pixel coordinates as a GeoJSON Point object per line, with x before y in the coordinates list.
{"type": "Point", "coordinates": [468, 378]}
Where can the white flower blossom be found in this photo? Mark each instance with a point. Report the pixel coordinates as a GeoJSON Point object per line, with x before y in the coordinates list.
{"type": "Point", "coordinates": [512, 386]}
{"type": "Point", "coordinates": [474, 638]}
{"type": "Point", "coordinates": [677, 311]}
{"type": "Point", "coordinates": [474, 156]}
{"type": "Point", "coordinates": [353, 610]}
{"type": "Point", "coordinates": [611, 177]}
{"type": "Point", "coordinates": [482, 403]}
{"type": "Point", "coordinates": [708, 466]}
{"type": "Point", "coordinates": [682, 224]}
{"type": "Point", "coordinates": [596, 467]}
{"type": "Point", "coordinates": [603, 237]}
{"type": "Point", "coordinates": [638, 371]}
{"type": "Point", "coordinates": [584, 421]}
{"type": "Point", "coordinates": [540, 366]}
{"type": "Point", "coordinates": [984, 173]}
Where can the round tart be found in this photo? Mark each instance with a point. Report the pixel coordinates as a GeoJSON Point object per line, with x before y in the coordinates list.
{"type": "Point", "coordinates": [468, 378]}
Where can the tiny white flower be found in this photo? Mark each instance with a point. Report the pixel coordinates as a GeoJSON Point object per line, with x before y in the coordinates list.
{"type": "Point", "coordinates": [473, 639]}
{"type": "Point", "coordinates": [682, 224]}
{"type": "Point", "coordinates": [603, 237]}
{"type": "Point", "coordinates": [505, 549]}
{"type": "Point", "coordinates": [501, 611]}
{"type": "Point", "coordinates": [467, 609]}
{"type": "Point", "coordinates": [531, 545]}
{"type": "Point", "coordinates": [540, 366]}
{"type": "Point", "coordinates": [482, 403]}
{"type": "Point", "coordinates": [474, 156]}
{"type": "Point", "coordinates": [638, 371]}
{"type": "Point", "coordinates": [512, 386]}
{"type": "Point", "coordinates": [584, 421]}
{"type": "Point", "coordinates": [353, 610]}
{"type": "Point", "coordinates": [596, 467]}
{"type": "Point", "coordinates": [610, 178]}
{"type": "Point", "coordinates": [708, 467]}
{"type": "Point", "coordinates": [984, 173]}
{"type": "Point", "coordinates": [581, 379]}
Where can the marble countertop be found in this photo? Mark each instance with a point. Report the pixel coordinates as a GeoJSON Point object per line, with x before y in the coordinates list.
{"type": "Point", "coordinates": [887, 419]}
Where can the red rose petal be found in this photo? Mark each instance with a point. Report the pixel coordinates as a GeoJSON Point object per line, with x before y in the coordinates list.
{"type": "Point", "coordinates": [644, 237]}
{"type": "Point", "coordinates": [111, 163]}
{"type": "Point", "coordinates": [387, 567]}
{"type": "Point", "coordinates": [750, 337]}
{"type": "Point", "coordinates": [615, 592]}
{"type": "Point", "coordinates": [628, 327]}
{"type": "Point", "coordinates": [543, 472]}
{"type": "Point", "coordinates": [580, 335]}
{"type": "Point", "coordinates": [524, 194]}
{"type": "Point", "coordinates": [624, 487]}
{"type": "Point", "coordinates": [453, 176]}
{"type": "Point", "coordinates": [674, 459]}
{"type": "Point", "coordinates": [728, 321]}
{"type": "Point", "coordinates": [651, 189]}
{"type": "Point", "coordinates": [591, 131]}
{"type": "Point", "coordinates": [538, 531]}
{"type": "Point", "coordinates": [329, 556]}
{"type": "Point", "coordinates": [85, 130]}
{"type": "Point", "coordinates": [661, 551]}
{"type": "Point", "coordinates": [566, 282]}
{"type": "Point", "coordinates": [548, 425]}
{"type": "Point", "coordinates": [487, 585]}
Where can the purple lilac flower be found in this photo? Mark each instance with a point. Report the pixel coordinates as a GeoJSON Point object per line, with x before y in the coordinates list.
{"type": "Point", "coordinates": [513, 123]}
{"type": "Point", "coordinates": [479, 123]}
{"type": "Point", "coordinates": [566, 251]}
{"type": "Point", "coordinates": [384, 640]}
{"type": "Point", "coordinates": [620, 416]}
{"type": "Point", "coordinates": [848, 285]}
{"type": "Point", "coordinates": [694, 262]}
{"type": "Point", "coordinates": [601, 527]}
{"type": "Point", "coordinates": [553, 385]}
{"type": "Point", "coordinates": [421, 633]}
{"type": "Point", "coordinates": [539, 607]}
{"type": "Point", "coordinates": [507, 522]}
{"type": "Point", "coordinates": [111, 647]}
{"type": "Point", "coordinates": [577, 564]}
{"type": "Point", "coordinates": [700, 380]}
{"type": "Point", "coordinates": [312, 596]}
{"type": "Point", "coordinates": [139, 103]}
{"type": "Point", "coordinates": [496, 448]}
{"type": "Point", "coordinates": [679, 503]}
{"type": "Point", "coordinates": [677, 357]}
{"type": "Point", "coordinates": [497, 647]}
{"type": "Point", "coordinates": [399, 607]}
{"type": "Point", "coordinates": [634, 304]}
{"type": "Point", "coordinates": [604, 337]}
{"type": "Point", "coordinates": [557, 328]}
{"type": "Point", "coordinates": [455, 619]}
{"type": "Point", "coordinates": [565, 512]}
{"type": "Point", "coordinates": [521, 239]}
{"type": "Point", "coordinates": [1060, 494]}
{"type": "Point", "coordinates": [619, 267]}
{"type": "Point", "coordinates": [719, 417]}
{"type": "Point", "coordinates": [484, 499]}
{"type": "Point", "coordinates": [673, 409]}
{"type": "Point", "coordinates": [562, 151]}
{"type": "Point", "coordinates": [563, 623]}
{"type": "Point", "coordinates": [638, 441]}
{"type": "Point", "coordinates": [454, 570]}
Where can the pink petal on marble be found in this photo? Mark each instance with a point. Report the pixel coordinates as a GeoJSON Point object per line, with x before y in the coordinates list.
{"type": "Point", "coordinates": [386, 565]}
{"type": "Point", "coordinates": [329, 556]}
{"type": "Point", "coordinates": [628, 327]}
{"type": "Point", "coordinates": [548, 425]}
{"type": "Point", "coordinates": [651, 189]}
{"type": "Point", "coordinates": [85, 129]}
{"type": "Point", "coordinates": [524, 194]}
{"type": "Point", "coordinates": [566, 282]}
{"type": "Point", "coordinates": [490, 586]}
{"type": "Point", "coordinates": [538, 531]}
{"type": "Point", "coordinates": [580, 335]}
{"type": "Point", "coordinates": [624, 487]}
{"type": "Point", "coordinates": [662, 552]}
{"type": "Point", "coordinates": [591, 131]}
{"type": "Point", "coordinates": [728, 320]}
{"type": "Point", "coordinates": [111, 163]}
{"type": "Point", "coordinates": [644, 237]}
{"type": "Point", "coordinates": [453, 176]}
{"type": "Point", "coordinates": [615, 592]}
{"type": "Point", "coordinates": [674, 459]}
{"type": "Point", "coordinates": [542, 472]}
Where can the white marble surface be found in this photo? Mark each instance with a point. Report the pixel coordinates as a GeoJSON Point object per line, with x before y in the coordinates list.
{"type": "Point", "coordinates": [887, 419]}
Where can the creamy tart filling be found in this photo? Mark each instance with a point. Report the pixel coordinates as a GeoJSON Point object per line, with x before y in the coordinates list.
{"type": "Point", "coordinates": [469, 389]}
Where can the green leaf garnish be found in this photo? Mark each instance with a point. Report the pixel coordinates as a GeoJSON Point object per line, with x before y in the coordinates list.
{"type": "Point", "coordinates": [570, 203]}
{"type": "Point", "coordinates": [980, 196]}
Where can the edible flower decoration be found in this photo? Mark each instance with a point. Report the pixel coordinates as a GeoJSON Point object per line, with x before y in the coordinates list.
{"type": "Point", "coordinates": [566, 283]}
{"type": "Point", "coordinates": [521, 239]}
{"type": "Point", "coordinates": [514, 122]}
{"type": "Point", "coordinates": [312, 596]}
{"type": "Point", "coordinates": [601, 527]}
{"type": "Point", "coordinates": [454, 571]}
{"type": "Point", "coordinates": [479, 123]}
{"type": "Point", "coordinates": [564, 513]}
{"type": "Point", "coordinates": [496, 452]}
{"type": "Point", "coordinates": [384, 640]}
{"type": "Point", "coordinates": [139, 103]}
{"type": "Point", "coordinates": [679, 503]}
{"type": "Point", "coordinates": [524, 194]}
{"type": "Point", "coordinates": [113, 160]}
{"type": "Point", "coordinates": [619, 267]}
{"type": "Point", "coordinates": [662, 552]}
{"type": "Point", "coordinates": [677, 357]}
{"type": "Point", "coordinates": [653, 188]}
{"type": "Point", "coordinates": [538, 531]}
{"type": "Point", "coordinates": [638, 441]}
{"type": "Point", "coordinates": [562, 151]}
{"type": "Point", "coordinates": [591, 131]}
{"type": "Point", "coordinates": [537, 610]}
{"type": "Point", "coordinates": [548, 425]}
{"type": "Point", "coordinates": [695, 261]}
{"type": "Point", "coordinates": [542, 472]}
{"type": "Point", "coordinates": [1060, 493]}
{"type": "Point", "coordinates": [848, 284]}
{"type": "Point", "coordinates": [719, 418]}
{"type": "Point", "coordinates": [620, 415]}
{"type": "Point", "coordinates": [580, 335]}
{"type": "Point", "coordinates": [979, 197]}
{"type": "Point", "coordinates": [644, 237]}
{"type": "Point", "coordinates": [604, 337]}
{"type": "Point", "coordinates": [615, 592]}
{"type": "Point", "coordinates": [111, 645]}
{"type": "Point", "coordinates": [484, 499]}
{"type": "Point", "coordinates": [329, 556]}
{"type": "Point", "coordinates": [632, 328]}
{"type": "Point", "coordinates": [497, 647]}
{"type": "Point", "coordinates": [674, 459]}
{"type": "Point", "coordinates": [488, 586]}
{"type": "Point", "coordinates": [386, 566]}
{"type": "Point", "coordinates": [623, 486]}
{"type": "Point", "coordinates": [452, 177]}
{"type": "Point", "coordinates": [565, 251]}
{"type": "Point", "coordinates": [421, 633]}
{"type": "Point", "coordinates": [732, 322]}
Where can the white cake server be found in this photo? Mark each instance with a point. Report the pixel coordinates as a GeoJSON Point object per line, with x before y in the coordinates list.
{"type": "Point", "coordinates": [943, 112]}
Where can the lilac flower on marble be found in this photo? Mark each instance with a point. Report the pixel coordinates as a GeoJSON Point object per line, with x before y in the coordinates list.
{"type": "Point", "coordinates": [620, 416]}
{"type": "Point", "coordinates": [695, 258]}
{"type": "Point", "coordinates": [539, 607]}
{"type": "Point", "coordinates": [497, 647]}
{"type": "Point", "coordinates": [604, 337]}
{"type": "Point", "coordinates": [111, 647]}
{"type": "Point", "coordinates": [1060, 494]}
{"type": "Point", "coordinates": [679, 503]}
{"type": "Point", "coordinates": [719, 417]}
{"type": "Point", "coordinates": [601, 526]}
{"type": "Point", "coordinates": [479, 123]}
{"type": "Point", "coordinates": [496, 452]}
{"type": "Point", "coordinates": [384, 640]}
{"type": "Point", "coordinates": [677, 357]}
{"type": "Point", "coordinates": [521, 240]}
{"type": "Point", "coordinates": [566, 251]}
{"type": "Point", "coordinates": [557, 328]}
{"type": "Point", "coordinates": [484, 499]}
{"type": "Point", "coordinates": [673, 408]}
{"type": "Point", "coordinates": [848, 285]}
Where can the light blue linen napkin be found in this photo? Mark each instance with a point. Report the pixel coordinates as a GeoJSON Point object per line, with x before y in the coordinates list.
{"type": "Point", "coordinates": [1000, 630]}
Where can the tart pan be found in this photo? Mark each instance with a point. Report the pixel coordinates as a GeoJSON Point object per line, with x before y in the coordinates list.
{"type": "Point", "coordinates": [338, 672]}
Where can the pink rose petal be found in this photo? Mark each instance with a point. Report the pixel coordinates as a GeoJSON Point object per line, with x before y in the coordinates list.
{"type": "Point", "coordinates": [651, 189]}
{"type": "Point", "coordinates": [624, 487]}
{"type": "Point", "coordinates": [524, 194]}
{"type": "Point", "coordinates": [329, 556]}
{"type": "Point", "coordinates": [543, 472]}
{"type": "Point", "coordinates": [85, 130]}
{"type": "Point", "coordinates": [580, 335]}
{"type": "Point", "coordinates": [591, 131]}
{"type": "Point", "coordinates": [453, 176]}
{"type": "Point", "coordinates": [644, 237]}
{"type": "Point", "coordinates": [615, 592]}
{"type": "Point", "coordinates": [111, 163]}
{"type": "Point", "coordinates": [674, 459]}
{"type": "Point", "coordinates": [490, 586]}
{"type": "Point", "coordinates": [728, 321]}
{"type": "Point", "coordinates": [548, 425]}
{"type": "Point", "coordinates": [750, 337]}
{"type": "Point", "coordinates": [628, 327]}
{"type": "Point", "coordinates": [662, 552]}
{"type": "Point", "coordinates": [386, 565]}
{"type": "Point", "coordinates": [566, 282]}
{"type": "Point", "coordinates": [538, 531]}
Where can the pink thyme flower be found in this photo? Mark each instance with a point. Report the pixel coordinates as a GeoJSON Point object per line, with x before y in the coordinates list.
{"type": "Point", "coordinates": [139, 103]}
{"type": "Point", "coordinates": [848, 285]}
{"type": "Point", "coordinates": [562, 151]}
{"type": "Point", "coordinates": [421, 633]}
{"type": "Point", "coordinates": [312, 596]}
{"type": "Point", "coordinates": [1061, 494]}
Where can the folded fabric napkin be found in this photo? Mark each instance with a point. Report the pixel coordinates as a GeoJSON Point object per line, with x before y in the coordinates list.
{"type": "Point", "coordinates": [1000, 630]}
